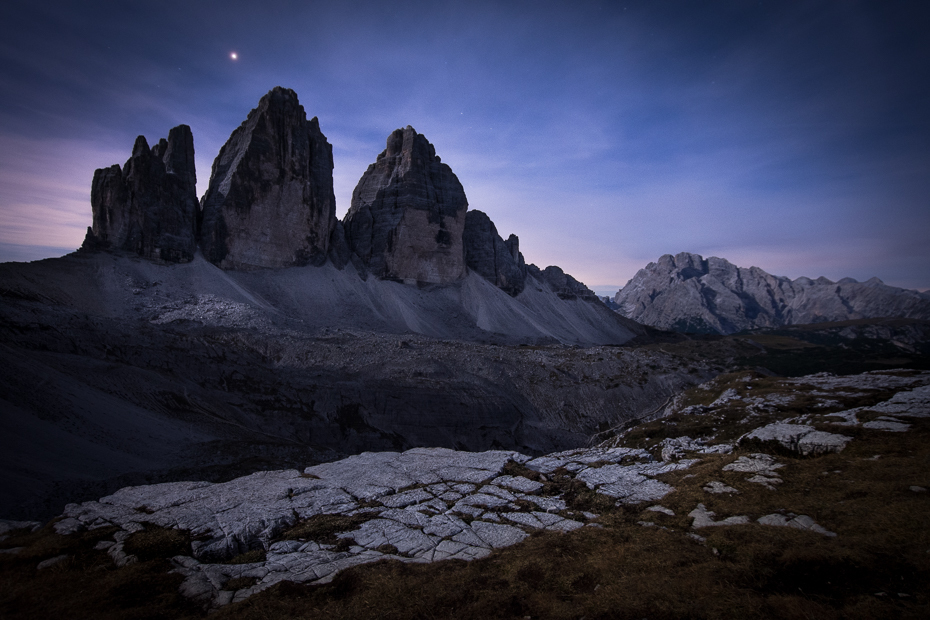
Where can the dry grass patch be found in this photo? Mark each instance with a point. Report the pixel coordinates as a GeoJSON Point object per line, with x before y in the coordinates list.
{"type": "Point", "coordinates": [251, 556]}
{"type": "Point", "coordinates": [323, 528]}
{"type": "Point", "coordinates": [877, 567]}
{"type": "Point", "coordinates": [87, 584]}
{"type": "Point", "coordinates": [158, 542]}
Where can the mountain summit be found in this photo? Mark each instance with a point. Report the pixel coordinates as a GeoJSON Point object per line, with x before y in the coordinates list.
{"type": "Point", "coordinates": [408, 214]}
{"type": "Point", "coordinates": [149, 206]}
{"type": "Point", "coordinates": [689, 293]}
{"type": "Point", "coordinates": [270, 202]}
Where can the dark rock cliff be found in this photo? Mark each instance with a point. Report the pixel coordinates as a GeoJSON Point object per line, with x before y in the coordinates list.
{"type": "Point", "coordinates": [149, 206]}
{"type": "Point", "coordinates": [488, 255]}
{"type": "Point", "coordinates": [408, 214]}
{"type": "Point", "coordinates": [270, 202]}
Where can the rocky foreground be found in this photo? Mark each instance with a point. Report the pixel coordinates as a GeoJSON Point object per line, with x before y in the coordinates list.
{"type": "Point", "coordinates": [431, 504]}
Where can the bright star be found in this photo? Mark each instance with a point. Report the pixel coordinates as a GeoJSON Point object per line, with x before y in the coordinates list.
{"type": "Point", "coordinates": [234, 55]}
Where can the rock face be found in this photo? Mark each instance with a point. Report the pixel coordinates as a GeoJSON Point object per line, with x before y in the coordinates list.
{"type": "Point", "coordinates": [688, 293]}
{"type": "Point", "coordinates": [408, 214]}
{"type": "Point", "coordinates": [270, 202]}
{"type": "Point", "coordinates": [149, 206]}
{"type": "Point", "coordinates": [496, 260]}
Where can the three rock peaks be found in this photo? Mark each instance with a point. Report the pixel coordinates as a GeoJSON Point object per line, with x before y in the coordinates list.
{"type": "Point", "coordinates": [270, 204]}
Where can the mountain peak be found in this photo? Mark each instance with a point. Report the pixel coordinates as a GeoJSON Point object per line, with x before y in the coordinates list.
{"type": "Point", "coordinates": [408, 214]}
{"type": "Point", "coordinates": [270, 202]}
{"type": "Point", "coordinates": [687, 293]}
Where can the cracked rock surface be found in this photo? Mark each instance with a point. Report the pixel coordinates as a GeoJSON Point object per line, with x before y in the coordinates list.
{"type": "Point", "coordinates": [422, 505]}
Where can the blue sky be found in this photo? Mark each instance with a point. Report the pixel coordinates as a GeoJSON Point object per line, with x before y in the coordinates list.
{"type": "Point", "coordinates": [792, 136]}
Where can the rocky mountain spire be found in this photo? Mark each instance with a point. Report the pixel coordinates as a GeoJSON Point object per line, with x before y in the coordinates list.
{"type": "Point", "coordinates": [488, 255]}
{"type": "Point", "coordinates": [408, 214]}
{"type": "Point", "coordinates": [149, 206]}
{"type": "Point", "coordinates": [270, 202]}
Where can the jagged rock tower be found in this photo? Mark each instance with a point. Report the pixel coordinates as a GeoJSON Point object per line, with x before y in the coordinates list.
{"type": "Point", "coordinates": [488, 255]}
{"type": "Point", "coordinates": [150, 205]}
{"type": "Point", "coordinates": [270, 202]}
{"type": "Point", "coordinates": [408, 214]}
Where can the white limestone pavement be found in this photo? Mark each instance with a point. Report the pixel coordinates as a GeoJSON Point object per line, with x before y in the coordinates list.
{"type": "Point", "coordinates": [423, 505]}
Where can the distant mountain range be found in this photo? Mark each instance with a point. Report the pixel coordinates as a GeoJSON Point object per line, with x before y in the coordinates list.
{"type": "Point", "coordinates": [688, 293]}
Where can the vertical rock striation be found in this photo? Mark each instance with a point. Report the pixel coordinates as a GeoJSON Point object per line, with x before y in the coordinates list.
{"type": "Point", "coordinates": [488, 255]}
{"type": "Point", "coordinates": [270, 202]}
{"type": "Point", "coordinates": [408, 214]}
{"type": "Point", "coordinates": [149, 206]}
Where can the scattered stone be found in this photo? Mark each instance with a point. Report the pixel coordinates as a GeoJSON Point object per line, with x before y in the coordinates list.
{"type": "Point", "coordinates": [728, 395]}
{"type": "Point", "coordinates": [913, 403]}
{"type": "Point", "coordinates": [703, 518]}
{"type": "Point", "coordinates": [498, 535]}
{"type": "Point", "coordinates": [803, 439]}
{"type": "Point", "coordinates": [12, 551]}
{"type": "Point", "coordinates": [756, 463]}
{"type": "Point", "coordinates": [581, 457]}
{"type": "Point", "coordinates": [887, 424]}
{"type": "Point", "coordinates": [518, 483]}
{"type": "Point", "coordinates": [51, 561]}
{"type": "Point", "coordinates": [768, 482]}
{"type": "Point", "coordinates": [917, 489]}
{"type": "Point", "coordinates": [715, 486]}
{"type": "Point", "coordinates": [662, 509]}
{"type": "Point", "coordinates": [843, 418]}
{"type": "Point", "coordinates": [628, 483]}
{"type": "Point", "coordinates": [801, 522]}
{"type": "Point", "coordinates": [7, 526]}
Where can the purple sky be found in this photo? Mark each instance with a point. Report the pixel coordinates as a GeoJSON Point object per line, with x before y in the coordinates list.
{"type": "Point", "coordinates": [793, 136]}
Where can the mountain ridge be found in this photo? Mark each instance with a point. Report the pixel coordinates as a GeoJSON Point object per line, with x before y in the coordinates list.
{"type": "Point", "coordinates": [689, 293]}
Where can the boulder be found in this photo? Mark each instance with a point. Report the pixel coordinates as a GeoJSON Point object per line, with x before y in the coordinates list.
{"type": "Point", "coordinates": [149, 206]}
{"type": "Point", "coordinates": [800, 438]}
{"type": "Point", "coordinates": [408, 214]}
{"type": "Point", "coordinates": [270, 202]}
{"type": "Point", "coordinates": [488, 255]}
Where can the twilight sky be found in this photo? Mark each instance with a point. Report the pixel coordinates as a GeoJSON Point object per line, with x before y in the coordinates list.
{"type": "Point", "coordinates": [793, 136]}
